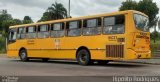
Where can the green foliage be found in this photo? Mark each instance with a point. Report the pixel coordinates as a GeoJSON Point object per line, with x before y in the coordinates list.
{"type": "Point", "coordinates": [56, 11]}
{"type": "Point", "coordinates": [154, 47]}
{"type": "Point", "coordinates": [4, 17]}
{"type": "Point", "coordinates": [146, 6]}
{"type": "Point", "coordinates": [6, 21]}
{"type": "Point", "coordinates": [154, 35]}
{"type": "Point", "coordinates": [27, 20]}
{"type": "Point", "coordinates": [128, 5]}
{"type": "Point", "coordinates": [46, 16]}
{"type": "Point", "coordinates": [17, 21]}
{"type": "Point", "coordinates": [151, 9]}
{"type": "Point", "coordinates": [2, 44]}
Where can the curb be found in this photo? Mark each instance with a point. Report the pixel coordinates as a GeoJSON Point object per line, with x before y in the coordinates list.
{"type": "Point", "coordinates": [3, 55]}
{"type": "Point", "coordinates": [153, 63]}
{"type": "Point", "coordinates": [155, 58]}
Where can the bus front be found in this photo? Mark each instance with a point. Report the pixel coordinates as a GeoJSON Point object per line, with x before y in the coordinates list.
{"type": "Point", "coordinates": [139, 45]}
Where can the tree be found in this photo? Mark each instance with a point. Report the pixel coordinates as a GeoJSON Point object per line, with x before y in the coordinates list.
{"type": "Point", "coordinates": [150, 8]}
{"type": "Point", "coordinates": [155, 36]}
{"type": "Point", "coordinates": [4, 17]}
{"type": "Point", "coordinates": [128, 5]}
{"type": "Point", "coordinates": [46, 16]}
{"type": "Point", "coordinates": [17, 21]}
{"type": "Point", "coordinates": [54, 12]}
{"type": "Point", "coordinates": [27, 20]}
{"type": "Point", "coordinates": [6, 21]}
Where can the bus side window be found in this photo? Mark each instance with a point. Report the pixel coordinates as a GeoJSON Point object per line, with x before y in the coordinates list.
{"type": "Point", "coordinates": [31, 32]}
{"type": "Point", "coordinates": [114, 25]}
{"type": "Point", "coordinates": [21, 33]}
{"type": "Point", "coordinates": [43, 31]}
{"type": "Point", "coordinates": [92, 26]}
{"type": "Point", "coordinates": [57, 30]}
{"type": "Point", "coordinates": [74, 28]}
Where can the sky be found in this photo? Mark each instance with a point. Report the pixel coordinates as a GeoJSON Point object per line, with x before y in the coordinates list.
{"type": "Point", "coordinates": [35, 8]}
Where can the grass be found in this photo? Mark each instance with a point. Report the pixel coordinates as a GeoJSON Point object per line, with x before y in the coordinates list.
{"type": "Point", "coordinates": [155, 46]}
{"type": "Point", "coordinates": [157, 41]}
{"type": "Point", "coordinates": [2, 51]}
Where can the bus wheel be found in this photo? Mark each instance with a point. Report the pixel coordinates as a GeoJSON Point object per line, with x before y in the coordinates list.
{"type": "Point", "coordinates": [45, 59]}
{"type": "Point", "coordinates": [102, 62]}
{"type": "Point", "coordinates": [83, 57]}
{"type": "Point", "coordinates": [23, 55]}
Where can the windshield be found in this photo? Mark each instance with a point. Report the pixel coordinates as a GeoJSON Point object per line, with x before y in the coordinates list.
{"type": "Point", "coordinates": [141, 22]}
{"type": "Point", "coordinates": [12, 34]}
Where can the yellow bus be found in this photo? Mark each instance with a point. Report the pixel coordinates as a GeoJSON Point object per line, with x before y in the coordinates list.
{"type": "Point", "coordinates": [105, 37]}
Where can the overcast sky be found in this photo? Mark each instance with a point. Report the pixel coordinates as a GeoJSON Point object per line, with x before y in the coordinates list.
{"type": "Point", "coordinates": [36, 8]}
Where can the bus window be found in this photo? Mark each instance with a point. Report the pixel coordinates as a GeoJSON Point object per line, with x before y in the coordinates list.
{"type": "Point", "coordinates": [21, 33]}
{"type": "Point", "coordinates": [31, 32]}
{"type": "Point", "coordinates": [43, 31]}
{"type": "Point", "coordinates": [114, 25]}
{"type": "Point", "coordinates": [92, 26]}
{"type": "Point", "coordinates": [57, 30]}
{"type": "Point", "coordinates": [12, 35]}
{"type": "Point", "coordinates": [74, 28]}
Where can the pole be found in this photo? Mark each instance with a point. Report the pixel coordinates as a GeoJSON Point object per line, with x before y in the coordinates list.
{"type": "Point", "coordinates": [6, 45]}
{"type": "Point", "coordinates": [69, 9]}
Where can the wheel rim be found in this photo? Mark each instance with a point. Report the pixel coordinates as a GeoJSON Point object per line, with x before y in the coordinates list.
{"type": "Point", "coordinates": [23, 55]}
{"type": "Point", "coordinates": [83, 57]}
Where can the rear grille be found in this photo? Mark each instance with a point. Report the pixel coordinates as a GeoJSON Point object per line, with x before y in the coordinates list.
{"type": "Point", "coordinates": [116, 51]}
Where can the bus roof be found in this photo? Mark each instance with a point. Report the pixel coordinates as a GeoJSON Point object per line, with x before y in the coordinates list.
{"type": "Point", "coordinates": [78, 18]}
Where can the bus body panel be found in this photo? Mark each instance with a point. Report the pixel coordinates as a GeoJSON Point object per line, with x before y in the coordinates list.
{"type": "Point", "coordinates": [66, 47]}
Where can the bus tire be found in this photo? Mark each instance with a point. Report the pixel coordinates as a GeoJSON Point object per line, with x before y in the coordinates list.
{"type": "Point", "coordinates": [83, 57]}
{"type": "Point", "coordinates": [23, 55]}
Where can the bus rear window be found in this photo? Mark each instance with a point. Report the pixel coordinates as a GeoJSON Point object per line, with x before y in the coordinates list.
{"type": "Point", "coordinates": [141, 22]}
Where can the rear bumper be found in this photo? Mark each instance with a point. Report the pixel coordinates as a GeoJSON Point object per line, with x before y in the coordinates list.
{"type": "Point", "coordinates": [132, 54]}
